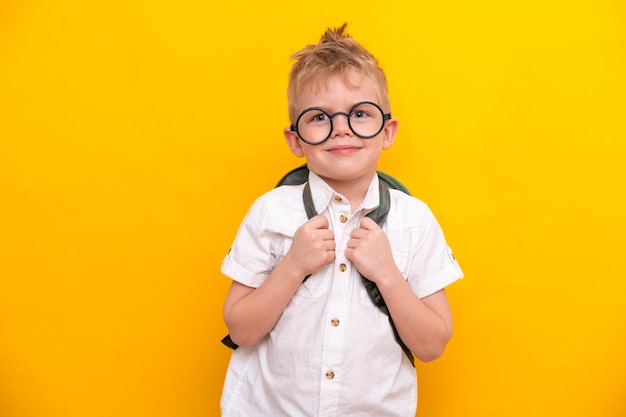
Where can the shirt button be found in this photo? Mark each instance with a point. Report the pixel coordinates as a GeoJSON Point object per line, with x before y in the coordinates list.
{"type": "Point", "coordinates": [342, 267]}
{"type": "Point", "coordinates": [337, 198]}
{"type": "Point", "coordinates": [330, 375]}
{"type": "Point", "coordinates": [335, 322]}
{"type": "Point", "coordinates": [343, 218]}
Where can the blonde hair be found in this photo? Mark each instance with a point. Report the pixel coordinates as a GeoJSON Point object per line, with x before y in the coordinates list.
{"type": "Point", "coordinates": [337, 53]}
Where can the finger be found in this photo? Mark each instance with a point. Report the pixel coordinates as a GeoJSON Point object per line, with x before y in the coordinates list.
{"type": "Point", "coordinates": [319, 222]}
{"type": "Point", "coordinates": [368, 224]}
{"type": "Point", "coordinates": [327, 234]}
{"type": "Point", "coordinates": [358, 233]}
{"type": "Point", "coordinates": [354, 237]}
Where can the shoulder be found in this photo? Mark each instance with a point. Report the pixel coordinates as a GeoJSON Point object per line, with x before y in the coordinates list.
{"type": "Point", "coordinates": [408, 210]}
{"type": "Point", "coordinates": [278, 206]}
{"type": "Point", "coordinates": [287, 197]}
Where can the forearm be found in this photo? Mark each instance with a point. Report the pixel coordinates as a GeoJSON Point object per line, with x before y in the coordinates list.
{"type": "Point", "coordinates": [254, 315]}
{"type": "Point", "coordinates": [425, 326]}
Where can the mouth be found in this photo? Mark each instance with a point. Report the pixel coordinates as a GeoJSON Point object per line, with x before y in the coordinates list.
{"type": "Point", "coordinates": [343, 149]}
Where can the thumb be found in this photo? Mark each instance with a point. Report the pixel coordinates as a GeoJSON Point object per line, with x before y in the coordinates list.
{"type": "Point", "coordinates": [369, 224]}
{"type": "Point", "coordinates": [319, 222]}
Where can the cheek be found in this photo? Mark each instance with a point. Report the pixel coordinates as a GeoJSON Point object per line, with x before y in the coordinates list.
{"type": "Point", "coordinates": [313, 159]}
{"type": "Point", "coordinates": [375, 145]}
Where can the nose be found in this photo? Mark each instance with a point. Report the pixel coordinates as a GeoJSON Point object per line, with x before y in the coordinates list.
{"type": "Point", "coordinates": [340, 125]}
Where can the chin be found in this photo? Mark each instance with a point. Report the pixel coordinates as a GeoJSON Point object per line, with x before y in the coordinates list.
{"type": "Point", "coordinates": [344, 175]}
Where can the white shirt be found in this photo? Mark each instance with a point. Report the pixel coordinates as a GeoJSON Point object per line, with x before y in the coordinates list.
{"type": "Point", "coordinates": [332, 352]}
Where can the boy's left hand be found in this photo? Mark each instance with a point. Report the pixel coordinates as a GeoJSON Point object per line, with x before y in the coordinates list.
{"type": "Point", "coordinates": [369, 250]}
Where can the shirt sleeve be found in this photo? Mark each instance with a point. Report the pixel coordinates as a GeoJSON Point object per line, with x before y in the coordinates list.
{"type": "Point", "coordinates": [252, 257]}
{"type": "Point", "coordinates": [432, 264]}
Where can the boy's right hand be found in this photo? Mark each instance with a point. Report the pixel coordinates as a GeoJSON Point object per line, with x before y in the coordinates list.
{"type": "Point", "coordinates": [313, 246]}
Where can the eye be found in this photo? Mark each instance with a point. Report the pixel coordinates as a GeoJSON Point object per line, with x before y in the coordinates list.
{"type": "Point", "coordinates": [316, 116]}
{"type": "Point", "coordinates": [362, 112]}
{"type": "Point", "coordinates": [365, 112]}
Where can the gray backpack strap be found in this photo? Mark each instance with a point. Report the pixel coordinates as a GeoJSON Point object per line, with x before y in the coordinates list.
{"type": "Point", "coordinates": [296, 176]}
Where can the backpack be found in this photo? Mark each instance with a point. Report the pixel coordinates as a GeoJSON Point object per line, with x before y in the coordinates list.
{"type": "Point", "coordinates": [300, 175]}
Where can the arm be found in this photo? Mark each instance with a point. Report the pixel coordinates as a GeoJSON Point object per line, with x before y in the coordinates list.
{"type": "Point", "coordinates": [250, 313]}
{"type": "Point", "coordinates": [425, 325]}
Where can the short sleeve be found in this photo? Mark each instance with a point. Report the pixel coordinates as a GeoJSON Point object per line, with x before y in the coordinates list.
{"type": "Point", "coordinates": [432, 265]}
{"type": "Point", "coordinates": [252, 256]}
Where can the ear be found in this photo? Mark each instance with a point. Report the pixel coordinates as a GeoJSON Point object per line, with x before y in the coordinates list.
{"type": "Point", "coordinates": [389, 133]}
{"type": "Point", "coordinates": [293, 141]}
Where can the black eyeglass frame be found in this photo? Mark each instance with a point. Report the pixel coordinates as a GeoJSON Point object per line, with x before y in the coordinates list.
{"type": "Point", "coordinates": [294, 127]}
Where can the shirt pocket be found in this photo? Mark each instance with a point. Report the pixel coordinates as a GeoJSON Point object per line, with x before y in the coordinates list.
{"type": "Point", "coordinates": [313, 286]}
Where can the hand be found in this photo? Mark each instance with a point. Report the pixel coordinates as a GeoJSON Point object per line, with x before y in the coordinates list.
{"type": "Point", "coordinates": [369, 250]}
{"type": "Point", "coordinates": [313, 246]}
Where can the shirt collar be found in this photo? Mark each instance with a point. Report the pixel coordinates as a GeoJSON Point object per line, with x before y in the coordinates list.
{"type": "Point", "coordinates": [322, 194]}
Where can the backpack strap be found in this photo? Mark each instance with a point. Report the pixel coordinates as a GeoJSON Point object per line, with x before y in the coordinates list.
{"type": "Point", "coordinates": [296, 176]}
{"type": "Point", "coordinates": [300, 175]}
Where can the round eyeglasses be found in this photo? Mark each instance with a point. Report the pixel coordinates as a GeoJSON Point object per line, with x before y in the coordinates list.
{"type": "Point", "coordinates": [315, 125]}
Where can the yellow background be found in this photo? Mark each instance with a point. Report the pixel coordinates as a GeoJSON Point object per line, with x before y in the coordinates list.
{"type": "Point", "coordinates": [135, 135]}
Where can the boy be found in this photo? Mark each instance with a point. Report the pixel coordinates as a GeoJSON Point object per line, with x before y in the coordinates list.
{"type": "Point", "coordinates": [311, 341]}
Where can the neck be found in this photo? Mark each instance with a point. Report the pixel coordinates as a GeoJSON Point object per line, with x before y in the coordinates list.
{"type": "Point", "coordinates": [354, 190]}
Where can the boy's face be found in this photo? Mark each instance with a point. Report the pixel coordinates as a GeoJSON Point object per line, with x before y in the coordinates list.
{"type": "Point", "coordinates": [344, 157]}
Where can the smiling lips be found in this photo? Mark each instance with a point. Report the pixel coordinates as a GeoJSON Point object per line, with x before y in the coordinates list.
{"type": "Point", "coordinates": [343, 149]}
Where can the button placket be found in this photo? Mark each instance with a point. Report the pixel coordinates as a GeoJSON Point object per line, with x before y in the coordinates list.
{"type": "Point", "coordinates": [340, 219]}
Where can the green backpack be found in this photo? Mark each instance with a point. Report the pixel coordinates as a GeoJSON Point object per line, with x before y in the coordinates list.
{"type": "Point", "coordinates": [300, 175]}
